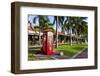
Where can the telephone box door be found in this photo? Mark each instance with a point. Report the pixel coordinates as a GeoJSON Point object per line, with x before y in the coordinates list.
{"type": "Point", "coordinates": [48, 43]}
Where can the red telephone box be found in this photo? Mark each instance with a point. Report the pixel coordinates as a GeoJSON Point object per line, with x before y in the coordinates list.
{"type": "Point", "coordinates": [48, 41]}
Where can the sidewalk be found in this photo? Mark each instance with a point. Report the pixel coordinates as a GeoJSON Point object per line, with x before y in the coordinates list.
{"type": "Point", "coordinates": [82, 54]}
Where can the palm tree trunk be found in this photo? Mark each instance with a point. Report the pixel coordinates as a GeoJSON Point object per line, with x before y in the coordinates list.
{"type": "Point", "coordinates": [57, 33]}
{"type": "Point", "coordinates": [71, 36]}
{"type": "Point", "coordinates": [76, 37]}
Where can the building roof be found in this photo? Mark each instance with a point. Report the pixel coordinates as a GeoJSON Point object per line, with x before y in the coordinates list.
{"type": "Point", "coordinates": [61, 33]}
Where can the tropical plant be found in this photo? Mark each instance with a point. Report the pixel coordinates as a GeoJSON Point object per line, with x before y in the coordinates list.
{"type": "Point", "coordinates": [43, 22]}
{"type": "Point", "coordinates": [58, 20]}
{"type": "Point", "coordinates": [78, 25]}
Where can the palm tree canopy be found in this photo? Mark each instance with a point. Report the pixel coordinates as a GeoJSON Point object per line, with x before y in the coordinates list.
{"type": "Point", "coordinates": [43, 21]}
{"type": "Point", "coordinates": [58, 20]}
{"type": "Point", "coordinates": [49, 28]}
{"type": "Point", "coordinates": [78, 24]}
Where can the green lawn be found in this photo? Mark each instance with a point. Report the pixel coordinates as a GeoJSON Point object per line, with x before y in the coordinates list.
{"type": "Point", "coordinates": [65, 48]}
{"type": "Point", "coordinates": [70, 50]}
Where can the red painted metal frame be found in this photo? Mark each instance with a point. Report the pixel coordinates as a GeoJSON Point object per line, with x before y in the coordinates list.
{"type": "Point", "coordinates": [46, 44]}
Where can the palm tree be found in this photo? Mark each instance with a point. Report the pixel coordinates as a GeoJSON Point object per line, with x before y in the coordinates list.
{"type": "Point", "coordinates": [68, 26]}
{"type": "Point", "coordinates": [49, 28]}
{"type": "Point", "coordinates": [58, 20]}
{"type": "Point", "coordinates": [82, 27]}
{"type": "Point", "coordinates": [43, 22]}
{"type": "Point", "coordinates": [78, 25]}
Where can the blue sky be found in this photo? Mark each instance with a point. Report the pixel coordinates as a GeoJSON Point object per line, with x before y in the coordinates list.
{"type": "Point", "coordinates": [31, 17]}
{"type": "Point", "coordinates": [51, 18]}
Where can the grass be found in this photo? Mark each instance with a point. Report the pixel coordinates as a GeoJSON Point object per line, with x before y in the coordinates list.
{"type": "Point", "coordinates": [69, 50]}
{"type": "Point", "coordinates": [32, 57]}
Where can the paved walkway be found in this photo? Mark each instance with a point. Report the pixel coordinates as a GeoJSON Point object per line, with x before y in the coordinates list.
{"type": "Point", "coordinates": [83, 54]}
{"type": "Point", "coordinates": [54, 57]}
